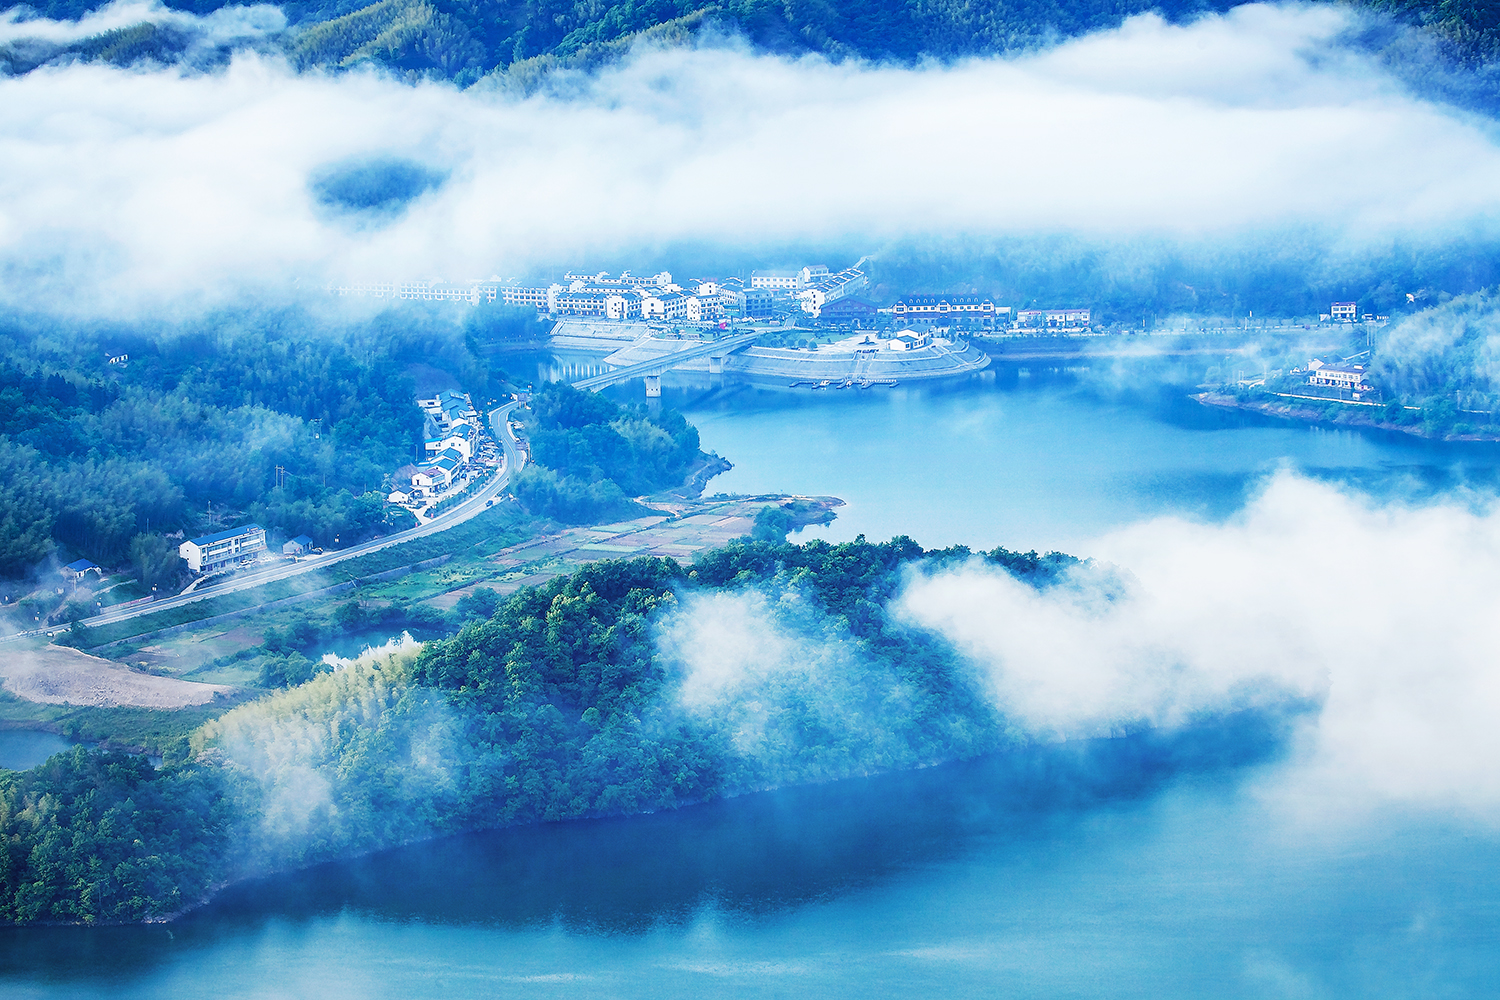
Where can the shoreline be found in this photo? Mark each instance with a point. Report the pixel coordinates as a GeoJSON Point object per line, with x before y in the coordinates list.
{"type": "Point", "coordinates": [1357, 418]}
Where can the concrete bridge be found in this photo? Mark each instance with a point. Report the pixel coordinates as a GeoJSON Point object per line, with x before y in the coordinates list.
{"type": "Point", "coordinates": [715, 350]}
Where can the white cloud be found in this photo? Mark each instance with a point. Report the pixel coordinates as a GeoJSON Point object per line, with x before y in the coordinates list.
{"type": "Point", "coordinates": [225, 25]}
{"type": "Point", "coordinates": [148, 186]}
{"type": "Point", "coordinates": [1390, 617]}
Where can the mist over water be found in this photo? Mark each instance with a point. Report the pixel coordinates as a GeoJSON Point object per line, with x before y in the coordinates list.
{"type": "Point", "coordinates": [1291, 816]}
{"type": "Point", "coordinates": [1254, 742]}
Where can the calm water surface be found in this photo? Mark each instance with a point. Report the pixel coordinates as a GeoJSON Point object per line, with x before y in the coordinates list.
{"type": "Point", "coordinates": [1038, 877]}
{"type": "Point", "coordinates": [25, 748]}
{"type": "Point", "coordinates": [1038, 462]}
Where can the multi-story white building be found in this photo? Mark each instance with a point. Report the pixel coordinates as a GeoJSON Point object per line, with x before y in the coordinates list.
{"type": "Point", "coordinates": [665, 305]}
{"type": "Point", "coordinates": [1344, 312]}
{"type": "Point", "coordinates": [831, 288]}
{"type": "Point", "coordinates": [437, 473]}
{"type": "Point", "coordinates": [811, 275]}
{"type": "Point", "coordinates": [785, 281]}
{"type": "Point", "coordinates": [224, 548]}
{"type": "Point", "coordinates": [704, 309]}
{"type": "Point", "coordinates": [948, 307]}
{"type": "Point", "coordinates": [1053, 319]}
{"type": "Point", "coordinates": [623, 305]}
{"type": "Point", "coordinates": [1341, 376]}
{"type": "Point", "coordinates": [459, 438]}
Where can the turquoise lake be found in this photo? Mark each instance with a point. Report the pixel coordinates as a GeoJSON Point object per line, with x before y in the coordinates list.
{"type": "Point", "coordinates": [1127, 868]}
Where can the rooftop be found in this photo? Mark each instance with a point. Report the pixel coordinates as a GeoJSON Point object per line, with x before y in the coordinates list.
{"type": "Point", "coordinates": [219, 536]}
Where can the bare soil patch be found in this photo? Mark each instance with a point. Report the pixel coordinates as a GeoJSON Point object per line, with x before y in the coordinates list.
{"type": "Point", "coordinates": [59, 675]}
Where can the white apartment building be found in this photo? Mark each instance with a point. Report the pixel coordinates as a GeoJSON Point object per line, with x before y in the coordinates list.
{"type": "Point", "coordinates": [785, 281]}
{"type": "Point", "coordinates": [1351, 377]}
{"type": "Point", "coordinates": [831, 288]}
{"type": "Point", "coordinates": [811, 275]}
{"type": "Point", "coordinates": [224, 548]}
{"type": "Point", "coordinates": [665, 305]}
{"type": "Point", "coordinates": [1053, 318]}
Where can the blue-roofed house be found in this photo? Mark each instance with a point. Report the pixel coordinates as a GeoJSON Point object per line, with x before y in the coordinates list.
{"type": "Point", "coordinates": [76, 570]}
{"type": "Point", "coordinates": [223, 548]}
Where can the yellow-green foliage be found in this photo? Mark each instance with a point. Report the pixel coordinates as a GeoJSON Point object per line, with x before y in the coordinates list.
{"type": "Point", "coordinates": [354, 696]}
{"type": "Point", "coordinates": [353, 760]}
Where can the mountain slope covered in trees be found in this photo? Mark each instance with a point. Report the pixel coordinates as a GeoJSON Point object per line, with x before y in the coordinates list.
{"type": "Point", "coordinates": [519, 40]}
{"type": "Point", "coordinates": [574, 699]}
{"type": "Point", "coordinates": [269, 415]}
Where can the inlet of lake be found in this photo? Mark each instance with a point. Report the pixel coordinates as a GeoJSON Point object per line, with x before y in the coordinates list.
{"type": "Point", "coordinates": [1118, 875]}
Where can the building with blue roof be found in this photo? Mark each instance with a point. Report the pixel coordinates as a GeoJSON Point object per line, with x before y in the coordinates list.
{"type": "Point", "coordinates": [224, 548]}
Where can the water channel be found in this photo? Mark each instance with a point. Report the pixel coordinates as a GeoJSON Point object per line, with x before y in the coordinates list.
{"type": "Point", "coordinates": [1045, 877]}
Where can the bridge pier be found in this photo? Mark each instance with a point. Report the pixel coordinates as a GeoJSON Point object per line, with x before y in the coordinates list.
{"type": "Point", "coordinates": [653, 386]}
{"type": "Point", "coordinates": [715, 365]}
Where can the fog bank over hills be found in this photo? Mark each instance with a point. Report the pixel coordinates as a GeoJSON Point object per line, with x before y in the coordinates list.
{"type": "Point", "coordinates": [132, 188]}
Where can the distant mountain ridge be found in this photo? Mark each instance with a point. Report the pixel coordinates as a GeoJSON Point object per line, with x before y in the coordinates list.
{"type": "Point", "coordinates": [464, 40]}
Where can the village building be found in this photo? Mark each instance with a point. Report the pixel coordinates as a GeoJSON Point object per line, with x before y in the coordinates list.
{"type": "Point", "coordinates": [811, 275]}
{"type": "Point", "coordinates": [942, 308]}
{"type": "Point", "coordinates": [299, 546]}
{"type": "Point", "coordinates": [75, 571]}
{"type": "Point", "coordinates": [853, 310]}
{"type": "Point", "coordinates": [224, 548]}
{"type": "Point", "coordinates": [1339, 376]}
{"type": "Point", "coordinates": [665, 305]}
{"type": "Point", "coordinates": [831, 288]}
{"type": "Point", "coordinates": [909, 341]}
{"type": "Point", "coordinates": [623, 305]}
{"type": "Point", "coordinates": [1344, 312]}
{"type": "Point", "coordinates": [785, 281]}
{"type": "Point", "coordinates": [1053, 319]}
{"type": "Point", "coordinates": [459, 438]}
{"type": "Point", "coordinates": [704, 309]}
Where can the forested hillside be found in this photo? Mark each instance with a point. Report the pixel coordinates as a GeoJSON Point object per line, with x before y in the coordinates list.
{"type": "Point", "coordinates": [518, 40]}
{"type": "Point", "coordinates": [591, 454]}
{"type": "Point", "coordinates": [589, 696]}
{"type": "Point", "coordinates": [186, 427]}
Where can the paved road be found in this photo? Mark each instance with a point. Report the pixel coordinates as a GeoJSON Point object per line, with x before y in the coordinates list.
{"type": "Point", "coordinates": [656, 366]}
{"type": "Point", "coordinates": [499, 423]}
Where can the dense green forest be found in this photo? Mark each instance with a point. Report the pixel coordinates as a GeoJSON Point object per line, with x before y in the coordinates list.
{"type": "Point", "coordinates": [518, 41]}
{"type": "Point", "coordinates": [591, 454]}
{"type": "Point", "coordinates": [186, 429]}
{"type": "Point", "coordinates": [578, 698]}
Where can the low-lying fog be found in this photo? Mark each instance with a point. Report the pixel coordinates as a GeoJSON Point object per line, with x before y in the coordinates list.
{"type": "Point", "coordinates": [170, 186]}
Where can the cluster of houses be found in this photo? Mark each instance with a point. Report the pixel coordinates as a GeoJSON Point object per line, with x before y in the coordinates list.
{"type": "Point", "coordinates": [449, 444]}
{"type": "Point", "coordinates": [810, 292]}
{"type": "Point", "coordinates": [981, 311]}
{"type": "Point", "coordinates": [642, 297]}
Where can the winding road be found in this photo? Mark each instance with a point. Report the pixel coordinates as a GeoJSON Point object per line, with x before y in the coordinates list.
{"type": "Point", "coordinates": [499, 425]}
